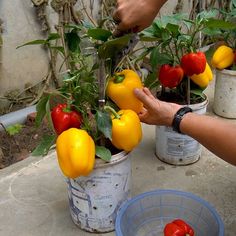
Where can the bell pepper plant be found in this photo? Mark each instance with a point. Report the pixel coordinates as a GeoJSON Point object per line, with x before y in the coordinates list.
{"type": "Point", "coordinates": [176, 43]}
{"type": "Point", "coordinates": [83, 129]}
{"type": "Point", "coordinates": [63, 118]}
{"type": "Point", "coordinates": [178, 227]}
{"type": "Point", "coordinates": [120, 90]}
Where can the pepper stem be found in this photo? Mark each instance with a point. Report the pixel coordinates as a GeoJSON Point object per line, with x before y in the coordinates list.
{"type": "Point", "coordinates": [111, 110]}
{"type": "Point", "coordinates": [118, 78]}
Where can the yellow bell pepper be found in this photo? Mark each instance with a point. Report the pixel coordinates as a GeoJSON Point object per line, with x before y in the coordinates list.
{"type": "Point", "coordinates": [223, 57]}
{"type": "Point", "coordinates": [120, 90]}
{"type": "Point", "coordinates": [75, 152]}
{"type": "Point", "coordinates": [126, 130]}
{"type": "Point", "coordinates": [203, 79]}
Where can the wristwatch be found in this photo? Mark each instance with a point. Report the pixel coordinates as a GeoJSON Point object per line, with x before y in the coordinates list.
{"type": "Point", "coordinates": [178, 117]}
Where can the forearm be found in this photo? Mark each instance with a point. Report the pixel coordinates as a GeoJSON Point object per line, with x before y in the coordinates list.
{"type": "Point", "coordinates": [216, 135]}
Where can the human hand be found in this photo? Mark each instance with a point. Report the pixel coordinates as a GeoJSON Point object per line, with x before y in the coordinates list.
{"type": "Point", "coordinates": [135, 15]}
{"type": "Point", "coordinates": [155, 112]}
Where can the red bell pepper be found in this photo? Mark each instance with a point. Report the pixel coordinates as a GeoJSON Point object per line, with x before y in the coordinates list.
{"type": "Point", "coordinates": [170, 76]}
{"type": "Point", "coordinates": [64, 118]}
{"type": "Point", "coordinates": [193, 63]}
{"type": "Point", "coordinates": [178, 227]}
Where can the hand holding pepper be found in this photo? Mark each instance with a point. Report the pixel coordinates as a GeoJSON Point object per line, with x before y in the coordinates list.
{"type": "Point", "coordinates": [120, 90]}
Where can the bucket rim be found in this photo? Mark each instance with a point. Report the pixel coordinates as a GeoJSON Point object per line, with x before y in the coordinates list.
{"type": "Point", "coordinates": [225, 71]}
{"type": "Point", "coordinates": [115, 159]}
{"type": "Point", "coordinates": [125, 205]}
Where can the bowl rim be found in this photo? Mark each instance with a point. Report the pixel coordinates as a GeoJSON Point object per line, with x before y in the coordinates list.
{"type": "Point", "coordinates": [125, 205]}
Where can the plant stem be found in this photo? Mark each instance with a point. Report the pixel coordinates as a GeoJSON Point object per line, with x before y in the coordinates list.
{"type": "Point", "coordinates": [112, 111]}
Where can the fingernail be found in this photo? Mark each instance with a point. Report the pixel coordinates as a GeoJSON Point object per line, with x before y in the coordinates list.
{"type": "Point", "coordinates": [136, 90]}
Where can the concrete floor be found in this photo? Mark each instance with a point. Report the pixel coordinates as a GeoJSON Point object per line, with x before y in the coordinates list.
{"type": "Point", "coordinates": [33, 199]}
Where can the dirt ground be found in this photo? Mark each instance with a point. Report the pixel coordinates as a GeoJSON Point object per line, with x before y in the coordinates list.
{"type": "Point", "coordinates": [19, 146]}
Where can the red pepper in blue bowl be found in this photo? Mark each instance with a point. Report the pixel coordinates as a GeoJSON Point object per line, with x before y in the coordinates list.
{"type": "Point", "coordinates": [178, 227]}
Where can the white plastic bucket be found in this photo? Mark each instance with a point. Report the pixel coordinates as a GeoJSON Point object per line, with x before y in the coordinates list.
{"type": "Point", "coordinates": [225, 93]}
{"type": "Point", "coordinates": [179, 149]}
{"type": "Point", "coordinates": [94, 200]}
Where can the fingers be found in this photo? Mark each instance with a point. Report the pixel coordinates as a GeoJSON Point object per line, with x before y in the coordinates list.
{"type": "Point", "coordinates": [116, 17]}
{"type": "Point", "coordinates": [145, 96]}
{"type": "Point", "coordinates": [123, 26]}
{"type": "Point", "coordinates": [148, 93]}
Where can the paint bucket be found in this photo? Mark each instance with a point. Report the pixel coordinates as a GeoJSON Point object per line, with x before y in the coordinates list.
{"type": "Point", "coordinates": [179, 149]}
{"type": "Point", "coordinates": [225, 94]}
{"type": "Point", "coordinates": [94, 200]}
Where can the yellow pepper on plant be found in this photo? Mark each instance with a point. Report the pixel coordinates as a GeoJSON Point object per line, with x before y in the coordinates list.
{"type": "Point", "coordinates": [203, 79]}
{"type": "Point", "coordinates": [120, 90]}
{"type": "Point", "coordinates": [75, 152]}
{"type": "Point", "coordinates": [126, 129]}
{"type": "Point", "coordinates": [223, 57]}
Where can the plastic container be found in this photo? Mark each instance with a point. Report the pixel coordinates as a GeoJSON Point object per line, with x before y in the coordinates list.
{"type": "Point", "coordinates": [94, 200]}
{"type": "Point", "coordinates": [225, 94]}
{"type": "Point", "coordinates": [179, 149]}
{"type": "Point", "coordinates": [148, 213]}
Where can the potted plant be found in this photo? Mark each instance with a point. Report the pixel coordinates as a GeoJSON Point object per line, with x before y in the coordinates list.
{"type": "Point", "coordinates": [223, 60]}
{"type": "Point", "coordinates": [94, 133]}
{"type": "Point", "coordinates": [181, 73]}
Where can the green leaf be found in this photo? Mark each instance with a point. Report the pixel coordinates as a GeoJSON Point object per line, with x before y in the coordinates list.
{"type": "Point", "coordinates": [73, 26]}
{"type": "Point", "coordinates": [104, 123]}
{"type": "Point", "coordinates": [174, 29]}
{"type": "Point", "coordinates": [151, 80]}
{"type": "Point", "coordinates": [198, 92]}
{"type": "Point", "coordinates": [14, 129]}
{"type": "Point", "coordinates": [159, 58]}
{"type": "Point", "coordinates": [99, 34]}
{"type": "Point", "coordinates": [103, 153]}
{"type": "Point", "coordinates": [73, 41]}
{"type": "Point", "coordinates": [53, 36]}
{"type": "Point", "coordinates": [48, 115]}
{"type": "Point", "coordinates": [217, 23]}
{"type": "Point", "coordinates": [41, 110]}
{"type": "Point", "coordinates": [110, 48]}
{"type": "Point", "coordinates": [60, 49]}
{"type": "Point", "coordinates": [35, 42]}
{"type": "Point", "coordinates": [44, 146]}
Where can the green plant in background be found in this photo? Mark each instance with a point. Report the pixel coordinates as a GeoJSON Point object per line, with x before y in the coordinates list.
{"type": "Point", "coordinates": [174, 40]}
{"type": "Point", "coordinates": [14, 129]}
{"type": "Point", "coordinates": [223, 52]}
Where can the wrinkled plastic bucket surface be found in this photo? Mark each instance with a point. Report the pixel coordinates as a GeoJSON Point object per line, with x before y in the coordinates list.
{"type": "Point", "coordinates": [179, 149]}
{"type": "Point", "coordinates": [94, 200]}
{"type": "Point", "coordinates": [225, 94]}
{"type": "Point", "coordinates": [148, 213]}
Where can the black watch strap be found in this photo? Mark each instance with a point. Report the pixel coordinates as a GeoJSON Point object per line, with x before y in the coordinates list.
{"type": "Point", "coordinates": [178, 117]}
